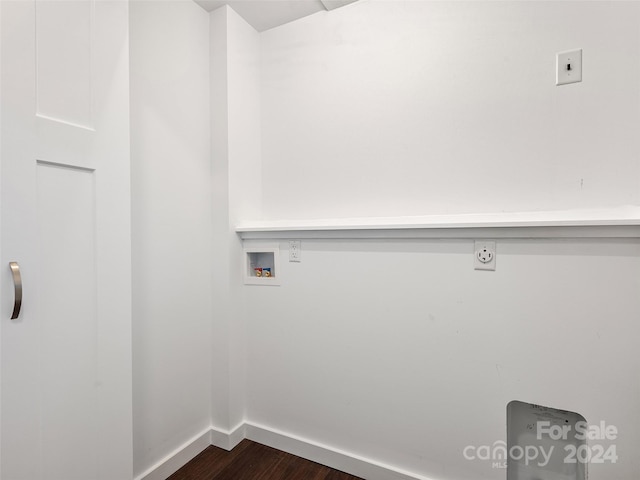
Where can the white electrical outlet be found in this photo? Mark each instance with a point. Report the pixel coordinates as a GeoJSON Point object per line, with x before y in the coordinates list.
{"type": "Point", "coordinates": [294, 251]}
{"type": "Point", "coordinates": [569, 67]}
{"type": "Point", "coordinates": [484, 257]}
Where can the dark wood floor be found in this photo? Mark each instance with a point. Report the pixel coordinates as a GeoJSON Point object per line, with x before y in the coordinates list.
{"type": "Point", "coordinates": [253, 461]}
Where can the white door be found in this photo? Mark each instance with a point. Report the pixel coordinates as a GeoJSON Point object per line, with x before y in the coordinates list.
{"type": "Point", "coordinates": [65, 214]}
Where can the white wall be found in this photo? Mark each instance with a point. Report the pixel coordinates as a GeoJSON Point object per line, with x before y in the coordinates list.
{"type": "Point", "coordinates": [236, 154]}
{"type": "Point", "coordinates": [397, 350]}
{"type": "Point", "coordinates": [172, 232]}
{"type": "Point", "coordinates": [421, 107]}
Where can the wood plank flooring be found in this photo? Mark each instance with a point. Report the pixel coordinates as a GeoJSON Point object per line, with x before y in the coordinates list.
{"type": "Point", "coordinates": [253, 461]}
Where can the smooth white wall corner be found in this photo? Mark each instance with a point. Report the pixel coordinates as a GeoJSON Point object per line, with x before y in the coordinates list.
{"type": "Point", "coordinates": [222, 241]}
{"type": "Point", "coordinates": [245, 125]}
{"type": "Point", "coordinates": [171, 227]}
{"type": "Point", "coordinates": [236, 156]}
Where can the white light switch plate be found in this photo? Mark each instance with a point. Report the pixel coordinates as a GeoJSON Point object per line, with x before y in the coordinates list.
{"type": "Point", "coordinates": [569, 67]}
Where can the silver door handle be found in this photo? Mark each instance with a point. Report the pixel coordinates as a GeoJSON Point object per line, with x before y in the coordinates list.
{"type": "Point", "coordinates": [17, 287]}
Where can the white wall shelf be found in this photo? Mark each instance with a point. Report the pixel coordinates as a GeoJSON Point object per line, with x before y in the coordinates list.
{"type": "Point", "coordinates": [618, 223]}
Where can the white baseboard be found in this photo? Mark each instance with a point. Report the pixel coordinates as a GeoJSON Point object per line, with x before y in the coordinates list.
{"type": "Point", "coordinates": [325, 455]}
{"type": "Point", "coordinates": [178, 458]}
{"type": "Point", "coordinates": [227, 440]}
{"type": "Point", "coordinates": [316, 452]}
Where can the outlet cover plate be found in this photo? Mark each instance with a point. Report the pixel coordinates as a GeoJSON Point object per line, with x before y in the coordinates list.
{"type": "Point", "coordinates": [484, 255]}
{"type": "Point", "coordinates": [569, 67]}
{"type": "Point", "coordinates": [295, 252]}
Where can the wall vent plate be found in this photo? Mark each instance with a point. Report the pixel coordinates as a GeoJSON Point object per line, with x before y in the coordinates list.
{"type": "Point", "coordinates": [539, 429]}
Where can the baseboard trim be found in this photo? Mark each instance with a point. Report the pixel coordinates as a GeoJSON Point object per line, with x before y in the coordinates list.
{"type": "Point", "coordinates": [227, 440]}
{"type": "Point", "coordinates": [178, 458]}
{"type": "Point", "coordinates": [325, 455]}
{"type": "Point", "coordinates": [316, 452]}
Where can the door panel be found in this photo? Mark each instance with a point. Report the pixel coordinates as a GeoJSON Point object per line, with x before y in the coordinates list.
{"type": "Point", "coordinates": [67, 313]}
{"type": "Point", "coordinates": [65, 217]}
{"type": "Point", "coordinates": [64, 47]}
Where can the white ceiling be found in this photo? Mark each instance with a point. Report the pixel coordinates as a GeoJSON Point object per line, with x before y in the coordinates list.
{"type": "Point", "coordinates": [266, 14]}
